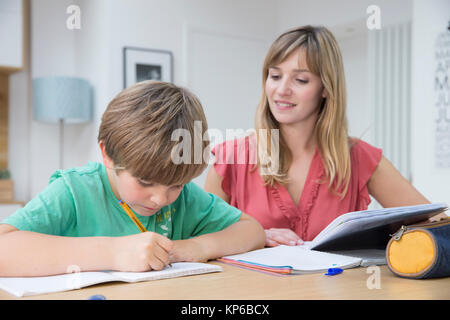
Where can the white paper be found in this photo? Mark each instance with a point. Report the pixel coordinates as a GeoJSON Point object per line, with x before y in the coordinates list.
{"type": "Point", "coordinates": [26, 286]}
{"type": "Point", "coordinates": [299, 258]}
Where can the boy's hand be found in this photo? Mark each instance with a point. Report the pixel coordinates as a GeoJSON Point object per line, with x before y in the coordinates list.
{"type": "Point", "coordinates": [188, 250]}
{"type": "Point", "coordinates": [275, 237]}
{"type": "Point", "coordinates": [141, 252]}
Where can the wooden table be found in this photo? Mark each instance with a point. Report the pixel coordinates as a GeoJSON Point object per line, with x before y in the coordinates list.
{"type": "Point", "coordinates": [240, 284]}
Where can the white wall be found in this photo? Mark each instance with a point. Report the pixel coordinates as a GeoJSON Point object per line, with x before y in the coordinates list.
{"type": "Point", "coordinates": [430, 18]}
{"type": "Point", "coordinates": [334, 14]}
{"type": "Point", "coordinates": [19, 151]}
{"type": "Point", "coordinates": [92, 62]}
{"type": "Point", "coordinates": [354, 54]}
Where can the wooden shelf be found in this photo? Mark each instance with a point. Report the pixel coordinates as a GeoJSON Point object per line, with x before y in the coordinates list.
{"type": "Point", "coordinates": [8, 70]}
{"type": "Point", "coordinates": [13, 202]}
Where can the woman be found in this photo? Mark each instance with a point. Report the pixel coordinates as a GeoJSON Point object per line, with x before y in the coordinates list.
{"type": "Point", "coordinates": [319, 172]}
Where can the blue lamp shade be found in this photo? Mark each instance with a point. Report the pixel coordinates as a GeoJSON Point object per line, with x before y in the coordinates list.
{"type": "Point", "coordinates": [62, 98]}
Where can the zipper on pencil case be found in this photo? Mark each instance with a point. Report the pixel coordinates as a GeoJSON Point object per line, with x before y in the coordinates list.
{"type": "Point", "coordinates": [398, 235]}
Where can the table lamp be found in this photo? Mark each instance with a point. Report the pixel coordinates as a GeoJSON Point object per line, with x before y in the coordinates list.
{"type": "Point", "coordinates": [62, 100]}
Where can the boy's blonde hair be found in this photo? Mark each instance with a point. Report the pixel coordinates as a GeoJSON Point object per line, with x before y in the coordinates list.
{"type": "Point", "coordinates": [323, 58]}
{"type": "Point", "coordinates": [137, 129]}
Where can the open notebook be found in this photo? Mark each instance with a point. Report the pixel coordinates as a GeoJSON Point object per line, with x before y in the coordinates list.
{"type": "Point", "coordinates": [28, 286]}
{"type": "Point", "coordinates": [351, 240]}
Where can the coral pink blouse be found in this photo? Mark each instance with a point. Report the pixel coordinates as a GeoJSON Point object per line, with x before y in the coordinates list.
{"type": "Point", "coordinates": [274, 207]}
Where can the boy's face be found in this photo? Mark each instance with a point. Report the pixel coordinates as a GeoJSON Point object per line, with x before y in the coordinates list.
{"type": "Point", "coordinates": [143, 197]}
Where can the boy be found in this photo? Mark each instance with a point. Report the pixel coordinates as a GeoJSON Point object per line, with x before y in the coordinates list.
{"type": "Point", "coordinates": [81, 217]}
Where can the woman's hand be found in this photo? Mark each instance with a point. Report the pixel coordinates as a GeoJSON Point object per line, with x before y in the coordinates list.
{"type": "Point", "coordinates": [276, 236]}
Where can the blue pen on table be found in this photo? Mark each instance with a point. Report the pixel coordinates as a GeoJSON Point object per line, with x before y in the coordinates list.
{"type": "Point", "coordinates": [333, 271]}
{"type": "Point", "coordinates": [97, 297]}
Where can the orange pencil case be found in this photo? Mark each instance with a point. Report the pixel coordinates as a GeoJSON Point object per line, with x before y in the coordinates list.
{"type": "Point", "coordinates": [420, 251]}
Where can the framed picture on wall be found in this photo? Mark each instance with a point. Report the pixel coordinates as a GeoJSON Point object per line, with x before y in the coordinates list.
{"type": "Point", "coordinates": [146, 64]}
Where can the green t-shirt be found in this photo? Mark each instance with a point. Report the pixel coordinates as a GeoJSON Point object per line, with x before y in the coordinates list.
{"type": "Point", "coordinates": [79, 202]}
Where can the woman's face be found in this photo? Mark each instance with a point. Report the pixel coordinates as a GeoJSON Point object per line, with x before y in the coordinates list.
{"type": "Point", "coordinates": [293, 92]}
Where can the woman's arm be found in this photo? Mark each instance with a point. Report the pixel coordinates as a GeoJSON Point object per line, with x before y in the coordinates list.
{"type": "Point", "coordinates": [213, 184]}
{"type": "Point", "coordinates": [391, 189]}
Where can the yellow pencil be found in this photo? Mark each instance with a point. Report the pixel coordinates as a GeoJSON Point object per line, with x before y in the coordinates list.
{"type": "Point", "coordinates": [133, 218]}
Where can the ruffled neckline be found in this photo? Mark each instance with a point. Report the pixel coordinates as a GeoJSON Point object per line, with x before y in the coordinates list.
{"type": "Point", "coordinates": [300, 213]}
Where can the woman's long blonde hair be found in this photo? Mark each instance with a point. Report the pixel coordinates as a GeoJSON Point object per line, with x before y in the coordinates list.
{"type": "Point", "coordinates": [324, 59]}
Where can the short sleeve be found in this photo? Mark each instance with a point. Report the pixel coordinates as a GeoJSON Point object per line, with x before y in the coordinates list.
{"type": "Point", "coordinates": [205, 212]}
{"type": "Point", "coordinates": [224, 167]}
{"type": "Point", "coordinates": [368, 157]}
{"type": "Point", "coordinates": [51, 212]}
